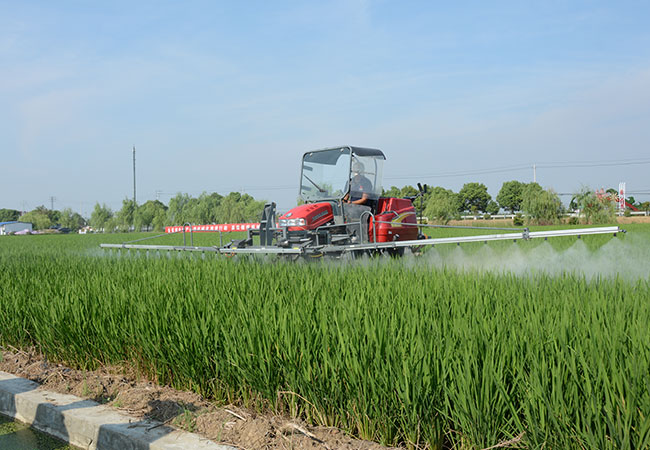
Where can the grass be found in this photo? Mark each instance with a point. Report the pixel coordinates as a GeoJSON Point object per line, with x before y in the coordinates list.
{"type": "Point", "coordinates": [392, 351]}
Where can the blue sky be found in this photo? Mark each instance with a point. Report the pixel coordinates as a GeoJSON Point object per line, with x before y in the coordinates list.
{"type": "Point", "coordinates": [226, 96]}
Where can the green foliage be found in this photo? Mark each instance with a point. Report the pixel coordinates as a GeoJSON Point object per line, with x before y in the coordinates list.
{"type": "Point", "coordinates": [213, 208]}
{"type": "Point", "coordinates": [100, 217]}
{"type": "Point", "coordinates": [71, 220]}
{"type": "Point", "coordinates": [230, 210]}
{"type": "Point", "coordinates": [236, 207]}
{"type": "Point", "coordinates": [474, 197]}
{"type": "Point", "coordinates": [393, 192]}
{"type": "Point", "coordinates": [518, 220]}
{"type": "Point", "coordinates": [125, 217]}
{"type": "Point", "coordinates": [406, 191]}
{"type": "Point", "coordinates": [492, 207]}
{"type": "Point", "coordinates": [179, 211]}
{"type": "Point", "coordinates": [542, 207]}
{"type": "Point", "coordinates": [510, 196]}
{"type": "Point", "coordinates": [151, 214]}
{"type": "Point", "coordinates": [9, 215]}
{"type": "Point", "coordinates": [531, 189]}
{"type": "Point", "coordinates": [112, 225]}
{"type": "Point", "coordinates": [207, 208]}
{"type": "Point", "coordinates": [41, 218]}
{"type": "Point", "coordinates": [406, 354]}
{"type": "Point", "coordinates": [441, 205]}
{"type": "Point", "coordinates": [594, 208]}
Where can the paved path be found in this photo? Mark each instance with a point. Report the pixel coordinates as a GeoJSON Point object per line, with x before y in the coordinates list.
{"type": "Point", "coordinates": [89, 425]}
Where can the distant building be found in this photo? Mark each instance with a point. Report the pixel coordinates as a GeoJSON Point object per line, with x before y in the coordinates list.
{"type": "Point", "coordinates": [14, 227]}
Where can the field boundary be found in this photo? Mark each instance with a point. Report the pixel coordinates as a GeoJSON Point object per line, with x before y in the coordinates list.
{"type": "Point", "coordinates": [87, 424]}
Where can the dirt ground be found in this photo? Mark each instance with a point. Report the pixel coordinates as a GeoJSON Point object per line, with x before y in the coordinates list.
{"type": "Point", "coordinates": [230, 425]}
{"type": "Point", "coordinates": [634, 219]}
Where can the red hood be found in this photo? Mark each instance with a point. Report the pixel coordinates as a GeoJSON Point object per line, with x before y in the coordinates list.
{"type": "Point", "coordinates": [315, 215]}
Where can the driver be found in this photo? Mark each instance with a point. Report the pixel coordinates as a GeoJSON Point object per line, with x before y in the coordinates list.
{"type": "Point", "coordinates": [360, 186]}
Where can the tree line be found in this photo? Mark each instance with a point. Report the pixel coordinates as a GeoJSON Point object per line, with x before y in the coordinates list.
{"type": "Point", "coordinates": [208, 208]}
{"type": "Point", "coordinates": [152, 215]}
{"type": "Point", "coordinates": [536, 204]}
{"type": "Point", "coordinates": [42, 218]}
{"type": "Point", "coordinates": [439, 205]}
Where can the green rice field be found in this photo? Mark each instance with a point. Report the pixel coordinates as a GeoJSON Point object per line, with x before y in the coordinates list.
{"type": "Point", "coordinates": [547, 343]}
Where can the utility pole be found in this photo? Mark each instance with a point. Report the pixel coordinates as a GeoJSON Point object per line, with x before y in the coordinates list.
{"type": "Point", "coordinates": [535, 173]}
{"type": "Point", "coordinates": [134, 203]}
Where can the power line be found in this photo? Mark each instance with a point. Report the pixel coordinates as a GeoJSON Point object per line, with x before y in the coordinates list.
{"type": "Point", "coordinates": [593, 164]}
{"type": "Point", "coordinates": [451, 174]}
{"type": "Point", "coordinates": [463, 173]}
{"type": "Point", "coordinates": [534, 166]}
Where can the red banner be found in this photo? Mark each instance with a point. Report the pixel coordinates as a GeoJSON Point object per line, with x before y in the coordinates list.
{"type": "Point", "coordinates": [226, 227]}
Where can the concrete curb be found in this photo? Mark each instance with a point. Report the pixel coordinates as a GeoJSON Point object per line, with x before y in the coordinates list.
{"type": "Point", "coordinates": [87, 424]}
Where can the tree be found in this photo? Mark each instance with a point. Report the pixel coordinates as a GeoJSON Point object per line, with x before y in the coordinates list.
{"type": "Point", "coordinates": [41, 218]}
{"type": "Point", "coordinates": [9, 215]}
{"type": "Point", "coordinates": [510, 196]}
{"type": "Point", "coordinates": [111, 225]}
{"type": "Point", "coordinates": [100, 216]}
{"type": "Point", "coordinates": [229, 209]}
{"type": "Point", "coordinates": [441, 205]}
{"type": "Point", "coordinates": [253, 209]}
{"type": "Point", "coordinates": [542, 207]}
{"type": "Point", "coordinates": [126, 215]}
{"type": "Point", "coordinates": [393, 192]}
{"type": "Point", "coordinates": [160, 219]}
{"type": "Point", "coordinates": [54, 215]}
{"type": "Point", "coordinates": [474, 197]}
{"type": "Point", "coordinates": [492, 208]}
{"type": "Point", "coordinates": [645, 206]}
{"type": "Point", "coordinates": [146, 214]}
{"type": "Point", "coordinates": [36, 220]}
{"type": "Point", "coordinates": [207, 208]}
{"type": "Point", "coordinates": [180, 209]}
{"type": "Point", "coordinates": [408, 191]}
{"type": "Point", "coordinates": [595, 208]}
{"type": "Point", "coordinates": [236, 207]}
{"type": "Point", "coordinates": [71, 220]}
{"type": "Point", "coordinates": [530, 189]}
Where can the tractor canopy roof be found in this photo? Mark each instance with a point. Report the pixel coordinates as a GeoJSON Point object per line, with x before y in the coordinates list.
{"type": "Point", "coordinates": [331, 155]}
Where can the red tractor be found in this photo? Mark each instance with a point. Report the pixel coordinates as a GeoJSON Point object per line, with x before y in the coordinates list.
{"type": "Point", "coordinates": [341, 188]}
